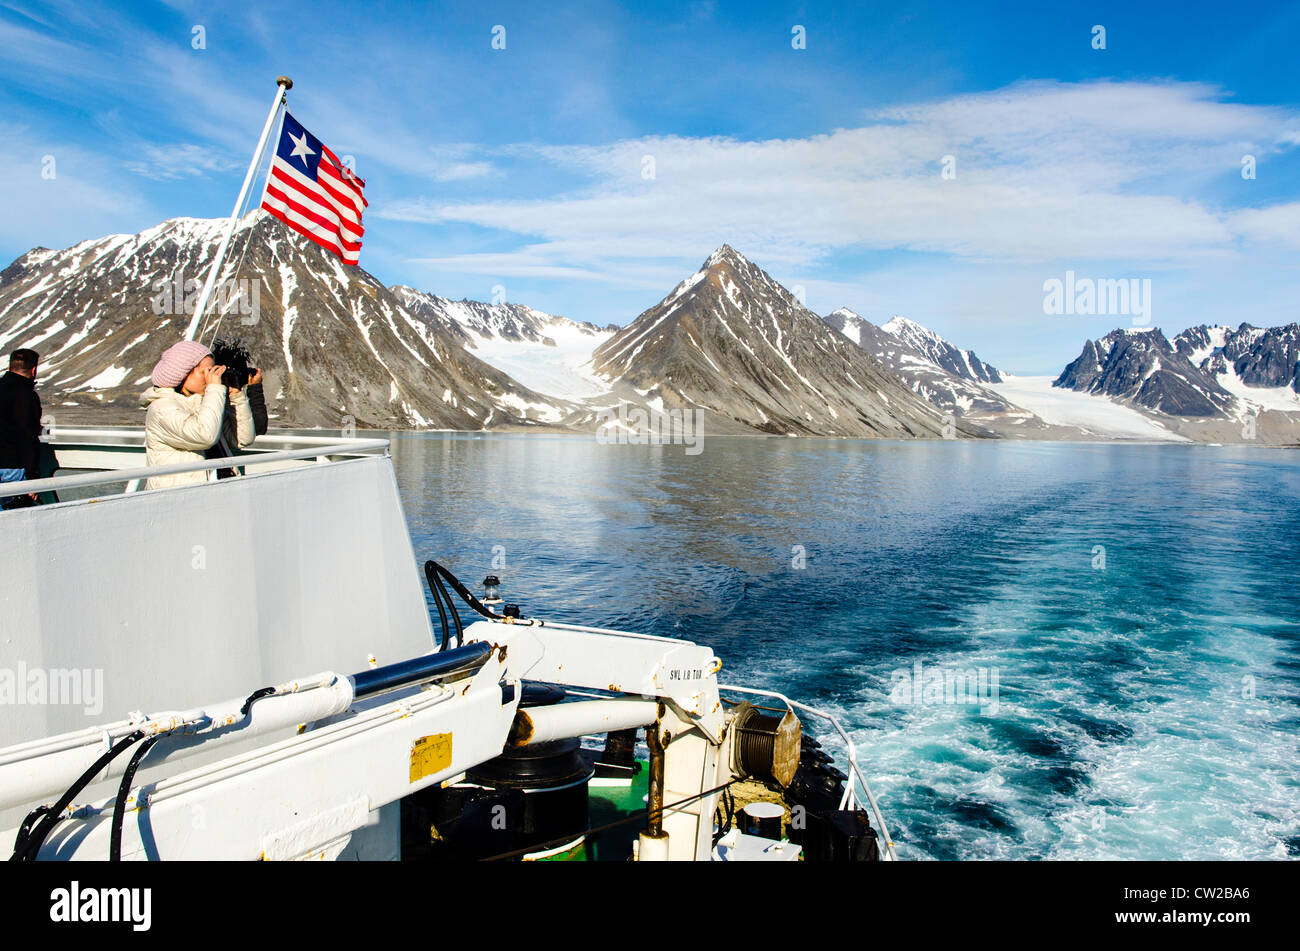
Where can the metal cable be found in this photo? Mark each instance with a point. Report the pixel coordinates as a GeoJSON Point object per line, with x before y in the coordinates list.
{"type": "Point", "coordinates": [240, 265]}
{"type": "Point", "coordinates": [221, 315]}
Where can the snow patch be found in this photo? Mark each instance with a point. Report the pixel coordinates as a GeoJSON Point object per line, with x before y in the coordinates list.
{"type": "Point", "coordinates": [1260, 397]}
{"type": "Point", "coordinates": [106, 379]}
{"type": "Point", "coordinates": [1092, 413]}
{"type": "Point", "coordinates": [288, 282]}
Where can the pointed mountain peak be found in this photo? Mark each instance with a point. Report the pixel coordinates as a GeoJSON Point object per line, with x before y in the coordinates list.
{"type": "Point", "coordinates": [726, 255]}
{"type": "Point", "coordinates": [843, 318]}
{"type": "Point", "coordinates": [727, 267]}
{"type": "Point", "coordinates": [898, 324]}
{"type": "Point", "coordinates": [851, 324]}
{"type": "Point", "coordinates": [732, 340]}
{"type": "Point", "coordinates": [1138, 365]}
{"type": "Point", "coordinates": [940, 352]}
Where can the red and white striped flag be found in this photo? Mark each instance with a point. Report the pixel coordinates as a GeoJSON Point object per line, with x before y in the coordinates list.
{"type": "Point", "coordinates": [315, 194]}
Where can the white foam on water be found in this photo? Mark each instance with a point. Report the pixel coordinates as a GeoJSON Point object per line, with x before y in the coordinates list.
{"type": "Point", "coordinates": [1195, 767]}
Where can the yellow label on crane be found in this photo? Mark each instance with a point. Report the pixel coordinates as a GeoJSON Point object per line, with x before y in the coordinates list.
{"type": "Point", "coordinates": [430, 754]}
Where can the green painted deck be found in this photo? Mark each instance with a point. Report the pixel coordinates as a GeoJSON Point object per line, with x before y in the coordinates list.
{"type": "Point", "coordinates": [610, 803]}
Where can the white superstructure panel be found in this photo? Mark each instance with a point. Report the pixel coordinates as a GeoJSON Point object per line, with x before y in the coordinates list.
{"type": "Point", "coordinates": [158, 598]}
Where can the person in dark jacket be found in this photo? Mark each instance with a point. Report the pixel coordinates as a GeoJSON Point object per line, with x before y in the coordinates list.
{"type": "Point", "coordinates": [233, 356]}
{"type": "Point", "coordinates": [20, 425]}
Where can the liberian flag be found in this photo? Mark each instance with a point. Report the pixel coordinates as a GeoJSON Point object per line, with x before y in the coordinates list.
{"type": "Point", "coordinates": [315, 194]}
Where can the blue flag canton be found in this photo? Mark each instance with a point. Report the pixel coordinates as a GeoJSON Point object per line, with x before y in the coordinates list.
{"type": "Point", "coordinates": [298, 148]}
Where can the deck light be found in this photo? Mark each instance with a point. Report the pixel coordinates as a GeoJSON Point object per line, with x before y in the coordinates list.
{"type": "Point", "coordinates": [491, 590]}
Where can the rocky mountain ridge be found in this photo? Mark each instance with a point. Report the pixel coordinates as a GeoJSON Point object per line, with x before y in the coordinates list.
{"type": "Point", "coordinates": [339, 348]}
{"type": "Point", "coordinates": [336, 346]}
{"type": "Point", "coordinates": [732, 341]}
{"type": "Point", "coordinates": [1143, 368]}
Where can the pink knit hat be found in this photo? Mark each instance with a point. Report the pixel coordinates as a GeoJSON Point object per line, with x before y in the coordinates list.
{"type": "Point", "coordinates": [176, 364]}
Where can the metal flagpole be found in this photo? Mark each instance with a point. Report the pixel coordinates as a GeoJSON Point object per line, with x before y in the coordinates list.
{"type": "Point", "coordinates": [282, 85]}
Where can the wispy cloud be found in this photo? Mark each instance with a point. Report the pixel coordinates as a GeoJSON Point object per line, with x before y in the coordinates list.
{"type": "Point", "coordinates": [183, 160]}
{"type": "Point", "coordinates": [54, 191]}
{"type": "Point", "coordinates": [1276, 225]}
{"type": "Point", "coordinates": [27, 14]}
{"type": "Point", "coordinates": [547, 262]}
{"type": "Point", "coordinates": [1043, 171]}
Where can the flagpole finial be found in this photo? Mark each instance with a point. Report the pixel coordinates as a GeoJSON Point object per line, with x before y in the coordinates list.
{"type": "Point", "coordinates": [284, 81]}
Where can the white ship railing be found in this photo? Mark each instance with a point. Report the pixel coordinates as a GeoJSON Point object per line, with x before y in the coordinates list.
{"type": "Point", "coordinates": [105, 447]}
{"type": "Point", "coordinates": [855, 771]}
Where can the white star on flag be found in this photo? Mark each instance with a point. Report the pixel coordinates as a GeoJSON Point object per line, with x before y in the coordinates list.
{"type": "Point", "coordinates": [300, 149]}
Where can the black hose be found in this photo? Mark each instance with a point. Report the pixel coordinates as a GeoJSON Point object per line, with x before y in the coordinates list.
{"type": "Point", "coordinates": [124, 790]}
{"type": "Point", "coordinates": [455, 614]}
{"type": "Point", "coordinates": [432, 577]}
{"type": "Point", "coordinates": [25, 829]}
{"type": "Point", "coordinates": [255, 696]}
{"type": "Point", "coordinates": [466, 595]}
{"type": "Point", "coordinates": [727, 809]}
{"type": "Point", "coordinates": [30, 839]}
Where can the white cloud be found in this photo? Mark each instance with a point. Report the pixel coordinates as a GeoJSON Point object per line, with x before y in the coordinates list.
{"type": "Point", "coordinates": [1278, 225]}
{"type": "Point", "coordinates": [460, 171]}
{"type": "Point", "coordinates": [169, 163]}
{"type": "Point", "coordinates": [542, 262]}
{"type": "Point", "coordinates": [72, 201]}
{"type": "Point", "coordinates": [1045, 171]}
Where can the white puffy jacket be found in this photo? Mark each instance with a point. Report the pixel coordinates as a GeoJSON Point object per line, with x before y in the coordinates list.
{"type": "Point", "coordinates": [178, 428]}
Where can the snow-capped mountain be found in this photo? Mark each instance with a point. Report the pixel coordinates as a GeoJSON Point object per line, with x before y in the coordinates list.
{"type": "Point", "coordinates": [482, 321]}
{"type": "Point", "coordinates": [1198, 343]}
{"type": "Point", "coordinates": [1246, 360]}
{"type": "Point", "coordinates": [544, 352]}
{"type": "Point", "coordinates": [336, 346]}
{"type": "Point", "coordinates": [961, 363]}
{"type": "Point", "coordinates": [1142, 368]}
{"type": "Point", "coordinates": [733, 341]}
{"type": "Point", "coordinates": [958, 394]}
{"type": "Point", "coordinates": [1195, 386]}
{"type": "Point", "coordinates": [1014, 407]}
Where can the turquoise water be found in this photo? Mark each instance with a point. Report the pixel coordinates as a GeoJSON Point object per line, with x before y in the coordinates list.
{"type": "Point", "coordinates": [1137, 606]}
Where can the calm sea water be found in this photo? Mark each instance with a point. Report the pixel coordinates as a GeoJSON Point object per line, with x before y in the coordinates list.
{"type": "Point", "coordinates": [1137, 605]}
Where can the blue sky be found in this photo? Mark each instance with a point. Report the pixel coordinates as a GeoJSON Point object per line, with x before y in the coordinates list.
{"type": "Point", "coordinates": [525, 168]}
